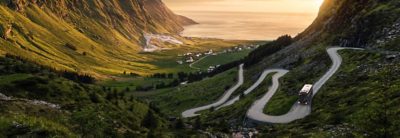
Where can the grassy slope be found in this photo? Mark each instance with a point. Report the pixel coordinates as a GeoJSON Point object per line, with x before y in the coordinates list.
{"type": "Point", "coordinates": [221, 59]}
{"type": "Point", "coordinates": [172, 66]}
{"type": "Point", "coordinates": [165, 61]}
{"type": "Point", "coordinates": [354, 106]}
{"type": "Point", "coordinates": [132, 83]}
{"type": "Point", "coordinates": [310, 69]}
{"type": "Point", "coordinates": [85, 109]}
{"type": "Point", "coordinates": [346, 104]}
{"type": "Point", "coordinates": [101, 50]}
{"type": "Point", "coordinates": [235, 114]}
{"type": "Point", "coordinates": [174, 101]}
{"type": "Point", "coordinates": [374, 11]}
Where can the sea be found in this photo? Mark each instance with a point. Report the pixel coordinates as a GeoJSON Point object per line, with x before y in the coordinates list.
{"type": "Point", "coordinates": [245, 25]}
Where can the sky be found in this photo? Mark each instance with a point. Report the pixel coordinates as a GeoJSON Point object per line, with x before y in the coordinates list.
{"type": "Point", "coordinates": [274, 6]}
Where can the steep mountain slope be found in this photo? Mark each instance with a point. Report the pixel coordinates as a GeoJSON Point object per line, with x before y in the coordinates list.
{"type": "Point", "coordinates": [361, 98]}
{"type": "Point", "coordinates": [359, 101]}
{"type": "Point", "coordinates": [356, 23]}
{"type": "Point", "coordinates": [353, 23]}
{"type": "Point", "coordinates": [101, 36]}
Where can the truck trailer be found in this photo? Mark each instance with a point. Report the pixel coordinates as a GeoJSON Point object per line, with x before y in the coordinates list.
{"type": "Point", "coordinates": [306, 94]}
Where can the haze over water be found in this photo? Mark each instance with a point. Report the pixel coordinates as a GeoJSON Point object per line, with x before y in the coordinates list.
{"type": "Point", "coordinates": [245, 25]}
{"type": "Point", "coordinates": [246, 19]}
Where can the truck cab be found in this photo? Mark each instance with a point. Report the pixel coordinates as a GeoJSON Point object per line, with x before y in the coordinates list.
{"type": "Point", "coordinates": [305, 94]}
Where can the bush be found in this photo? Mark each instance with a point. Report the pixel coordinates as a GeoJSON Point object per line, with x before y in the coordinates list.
{"type": "Point", "coordinates": [268, 49]}
{"type": "Point", "coordinates": [71, 46]}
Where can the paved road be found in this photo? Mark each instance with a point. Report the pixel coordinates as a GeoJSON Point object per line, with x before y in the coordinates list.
{"type": "Point", "coordinates": [249, 90]}
{"type": "Point", "coordinates": [191, 64]}
{"type": "Point", "coordinates": [223, 99]}
{"type": "Point", "coordinates": [297, 111]}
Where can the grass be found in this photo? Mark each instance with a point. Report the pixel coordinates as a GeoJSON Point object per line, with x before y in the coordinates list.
{"type": "Point", "coordinates": [221, 59]}
{"type": "Point", "coordinates": [6, 79]}
{"type": "Point", "coordinates": [353, 101]}
{"type": "Point", "coordinates": [174, 101]}
{"type": "Point", "coordinates": [39, 125]}
{"type": "Point", "coordinates": [132, 83]}
{"type": "Point", "coordinates": [41, 35]}
{"type": "Point", "coordinates": [292, 82]}
{"type": "Point", "coordinates": [86, 109]}
{"type": "Point", "coordinates": [236, 111]}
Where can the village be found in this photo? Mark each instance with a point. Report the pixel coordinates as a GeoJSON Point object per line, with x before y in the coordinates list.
{"type": "Point", "coordinates": [192, 57]}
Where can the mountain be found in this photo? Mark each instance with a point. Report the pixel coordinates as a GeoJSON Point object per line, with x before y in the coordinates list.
{"type": "Point", "coordinates": [350, 23]}
{"type": "Point", "coordinates": [355, 23]}
{"type": "Point", "coordinates": [360, 100]}
{"type": "Point", "coordinates": [93, 36]}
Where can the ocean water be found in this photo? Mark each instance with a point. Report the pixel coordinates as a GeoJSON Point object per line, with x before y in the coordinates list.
{"type": "Point", "coordinates": [245, 25]}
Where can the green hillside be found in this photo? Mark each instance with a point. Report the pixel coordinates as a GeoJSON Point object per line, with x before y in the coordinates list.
{"type": "Point", "coordinates": [359, 101]}
{"type": "Point", "coordinates": [100, 38]}
{"type": "Point", "coordinates": [51, 49]}
{"type": "Point", "coordinates": [82, 109]}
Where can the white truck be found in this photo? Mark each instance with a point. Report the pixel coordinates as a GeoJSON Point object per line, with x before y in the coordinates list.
{"type": "Point", "coordinates": [305, 95]}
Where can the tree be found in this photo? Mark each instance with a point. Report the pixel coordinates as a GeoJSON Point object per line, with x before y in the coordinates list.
{"type": "Point", "coordinates": [170, 75]}
{"type": "Point", "coordinates": [121, 95]}
{"type": "Point", "coordinates": [174, 83]}
{"type": "Point", "coordinates": [94, 97]}
{"type": "Point", "coordinates": [227, 87]}
{"type": "Point", "coordinates": [109, 96]}
{"type": "Point", "coordinates": [115, 93]}
{"type": "Point", "coordinates": [182, 76]}
{"type": "Point", "coordinates": [212, 109]}
{"type": "Point", "coordinates": [197, 123]}
{"type": "Point", "coordinates": [151, 134]}
{"type": "Point", "coordinates": [268, 49]}
{"type": "Point", "coordinates": [139, 88]}
{"type": "Point", "coordinates": [160, 85]}
{"type": "Point", "coordinates": [150, 121]}
{"type": "Point", "coordinates": [179, 124]}
{"type": "Point", "coordinates": [242, 95]}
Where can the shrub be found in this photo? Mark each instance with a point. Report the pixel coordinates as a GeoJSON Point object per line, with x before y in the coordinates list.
{"type": "Point", "coordinates": [71, 46]}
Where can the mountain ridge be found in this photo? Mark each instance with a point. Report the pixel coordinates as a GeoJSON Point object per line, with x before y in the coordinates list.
{"type": "Point", "coordinates": [85, 36]}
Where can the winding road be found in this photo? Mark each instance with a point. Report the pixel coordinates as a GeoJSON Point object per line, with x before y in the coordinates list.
{"type": "Point", "coordinates": [252, 87]}
{"type": "Point", "coordinates": [223, 99]}
{"type": "Point", "coordinates": [297, 111]}
{"type": "Point", "coordinates": [255, 112]}
{"type": "Point", "coordinates": [191, 64]}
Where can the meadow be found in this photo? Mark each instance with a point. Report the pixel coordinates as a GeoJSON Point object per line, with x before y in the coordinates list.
{"type": "Point", "coordinates": [220, 59]}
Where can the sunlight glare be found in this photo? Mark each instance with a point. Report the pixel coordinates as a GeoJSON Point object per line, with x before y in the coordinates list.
{"type": "Point", "coordinates": [319, 2]}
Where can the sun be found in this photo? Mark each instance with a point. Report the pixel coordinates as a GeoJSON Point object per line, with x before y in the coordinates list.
{"type": "Point", "coordinates": [319, 2]}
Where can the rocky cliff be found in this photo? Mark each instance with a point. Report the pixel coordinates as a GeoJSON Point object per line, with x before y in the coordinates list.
{"type": "Point", "coordinates": [357, 23]}
{"type": "Point", "coordinates": [85, 35]}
